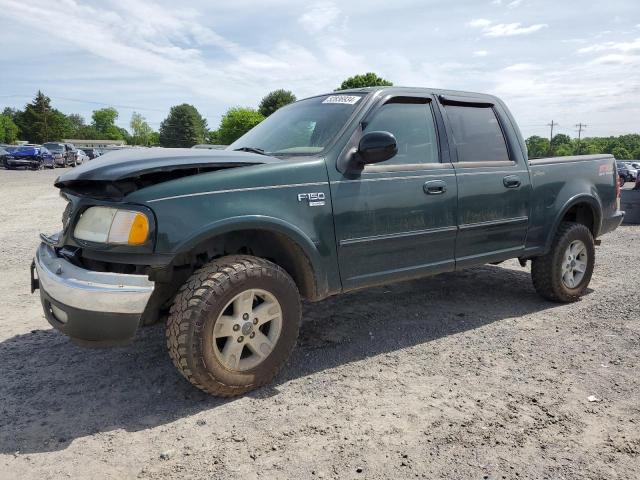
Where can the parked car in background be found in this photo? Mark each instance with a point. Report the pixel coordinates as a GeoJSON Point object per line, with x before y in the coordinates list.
{"type": "Point", "coordinates": [3, 155]}
{"type": "Point", "coordinates": [34, 157]}
{"type": "Point", "coordinates": [82, 157]}
{"type": "Point", "coordinates": [634, 166]}
{"type": "Point", "coordinates": [64, 153]}
{"type": "Point", "coordinates": [208, 146]}
{"type": "Point", "coordinates": [632, 170]}
{"type": "Point", "coordinates": [91, 153]}
{"type": "Point", "coordinates": [625, 173]}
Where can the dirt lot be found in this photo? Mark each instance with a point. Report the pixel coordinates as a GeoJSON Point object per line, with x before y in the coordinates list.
{"type": "Point", "coordinates": [466, 375]}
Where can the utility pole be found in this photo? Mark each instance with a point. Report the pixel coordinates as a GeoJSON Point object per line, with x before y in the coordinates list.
{"type": "Point", "coordinates": [580, 127]}
{"type": "Point", "coordinates": [46, 129]}
{"type": "Point", "coordinates": [552, 124]}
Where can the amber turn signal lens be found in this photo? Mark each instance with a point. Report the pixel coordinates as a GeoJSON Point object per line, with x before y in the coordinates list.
{"type": "Point", "coordinates": [139, 230]}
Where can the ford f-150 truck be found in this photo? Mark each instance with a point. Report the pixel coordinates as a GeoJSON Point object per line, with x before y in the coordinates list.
{"type": "Point", "coordinates": [330, 194]}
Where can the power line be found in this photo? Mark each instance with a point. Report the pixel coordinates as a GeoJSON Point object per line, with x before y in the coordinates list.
{"type": "Point", "coordinates": [90, 102]}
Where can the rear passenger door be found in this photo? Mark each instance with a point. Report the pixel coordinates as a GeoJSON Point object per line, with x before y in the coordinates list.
{"type": "Point", "coordinates": [396, 219]}
{"type": "Point", "coordinates": [493, 181]}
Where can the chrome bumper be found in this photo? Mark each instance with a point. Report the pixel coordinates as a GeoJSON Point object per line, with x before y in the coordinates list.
{"type": "Point", "coordinates": [88, 290]}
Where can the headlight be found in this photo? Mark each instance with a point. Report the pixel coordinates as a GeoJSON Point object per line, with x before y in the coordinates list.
{"type": "Point", "coordinates": [112, 225]}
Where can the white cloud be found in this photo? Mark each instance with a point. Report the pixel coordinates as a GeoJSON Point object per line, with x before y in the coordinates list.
{"type": "Point", "coordinates": [632, 46]}
{"type": "Point", "coordinates": [479, 23]}
{"type": "Point", "coordinates": [490, 29]}
{"type": "Point", "coordinates": [175, 46]}
{"type": "Point", "coordinates": [512, 29]}
{"type": "Point", "coordinates": [320, 17]}
{"type": "Point", "coordinates": [521, 67]}
{"type": "Point", "coordinates": [515, 3]}
{"type": "Point", "coordinates": [480, 53]}
{"type": "Point", "coordinates": [615, 58]}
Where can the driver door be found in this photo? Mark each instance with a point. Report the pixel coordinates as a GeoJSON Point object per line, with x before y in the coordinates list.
{"type": "Point", "coordinates": [397, 218]}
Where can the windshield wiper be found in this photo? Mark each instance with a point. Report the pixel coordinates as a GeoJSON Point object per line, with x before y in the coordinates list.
{"type": "Point", "coordinates": [250, 149]}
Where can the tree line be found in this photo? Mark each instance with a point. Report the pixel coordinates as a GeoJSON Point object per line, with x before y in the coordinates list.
{"type": "Point", "coordinates": [623, 147]}
{"type": "Point", "coordinates": [184, 126]}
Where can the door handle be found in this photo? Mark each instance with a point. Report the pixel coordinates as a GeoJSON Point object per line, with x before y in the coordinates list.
{"type": "Point", "coordinates": [511, 181]}
{"type": "Point", "coordinates": [435, 187]}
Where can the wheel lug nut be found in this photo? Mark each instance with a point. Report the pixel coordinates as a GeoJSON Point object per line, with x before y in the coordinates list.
{"type": "Point", "coordinates": [236, 328]}
{"type": "Point", "coordinates": [245, 316]}
{"type": "Point", "coordinates": [255, 321]}
{"type": "Point", "coordinates": [253, 334]}
{"type": "Point", "coordinates": [240, 338]}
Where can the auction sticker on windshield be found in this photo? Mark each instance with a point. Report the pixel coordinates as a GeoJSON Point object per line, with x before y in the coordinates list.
{"type": "Point", "coordinates": [344, 99]}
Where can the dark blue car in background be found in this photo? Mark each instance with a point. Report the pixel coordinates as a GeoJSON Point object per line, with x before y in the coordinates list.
{"type": "Point", "coordinates": [34, 157]}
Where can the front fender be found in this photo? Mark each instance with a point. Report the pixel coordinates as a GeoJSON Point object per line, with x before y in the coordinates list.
{"type": "Point", "coordinates": [261, 222]}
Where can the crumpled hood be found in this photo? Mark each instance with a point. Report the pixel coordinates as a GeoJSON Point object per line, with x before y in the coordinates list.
{"type": "Point", "coordinates": [138, 162]}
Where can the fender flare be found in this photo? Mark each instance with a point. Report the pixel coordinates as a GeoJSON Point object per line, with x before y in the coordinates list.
{"type": "Point", "coordinates": [267, 223]}
{"type": "Point", "coordinates": [582, 198]}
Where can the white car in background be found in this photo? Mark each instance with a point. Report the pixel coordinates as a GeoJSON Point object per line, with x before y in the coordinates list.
{"type": "Point", "coordinates": [82, 157]}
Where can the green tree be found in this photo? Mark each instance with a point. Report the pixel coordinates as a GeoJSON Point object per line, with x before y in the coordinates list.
{"type": "Point", "coordinates": [212, 137]}
{"type": "Point", "coordinates": [563, 150]}
{"type": "Point", "coordinates": [154, 139]}
{"type": "Point", "coordinates": [8, 130]}
{"type": "Point", "coordinates": [183, 127]}
{"type": "Point", "coordinates": [39, 122]}
{"type": "Point", "coordinates": [104, 124]}
{"type": "Point", "coordinates": [76, 124]}
{"type": "Point", "coordinates": [538, 147]}
{"type": "Point", "coordinates": [140, 130]}
{"type": "Point", "coordinates": [88, 132]}
{"type": "Point", "coordinates": [368, 79]}
{"type": "Point", "coordinates": [10, 112]}
{"type": "Point", "coordinates": [621, 153]}
{"type": "Point", "coordinates": [560, 139]}
{"type": "Point", "coordinates": [235, 123]}
{"type": "Point", "coordinates": [585, 147]}
{"type": "Point", "coordinates": [275, 100]}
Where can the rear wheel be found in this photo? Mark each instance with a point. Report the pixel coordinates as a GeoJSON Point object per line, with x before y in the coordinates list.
{"type": "Point", "coordinates": [564, 273]}
{"type": "Point", "coordinates": [233, 325]}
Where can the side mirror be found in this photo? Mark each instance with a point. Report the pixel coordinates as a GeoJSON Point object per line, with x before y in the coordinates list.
{"type": "Point", "coordinates": [376, 147]}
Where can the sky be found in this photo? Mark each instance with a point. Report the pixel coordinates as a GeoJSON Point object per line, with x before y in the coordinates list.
{"type": "Point", "coordinates": [563, 60]}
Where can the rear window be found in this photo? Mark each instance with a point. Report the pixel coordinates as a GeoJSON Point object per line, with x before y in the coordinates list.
{"type": "Point", "coordinates": [477, 134]}
{"type": "Point", "coordinates": [53, 146]}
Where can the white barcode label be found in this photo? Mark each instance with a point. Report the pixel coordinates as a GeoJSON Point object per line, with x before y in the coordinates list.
{"type": "Point", "coordinates": [344, 99]}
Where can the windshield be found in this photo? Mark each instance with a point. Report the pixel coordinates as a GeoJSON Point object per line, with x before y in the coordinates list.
{"type": "Point", "coordinates": [53, 146]}
{"type": "Point", "coordinates": [303, 128]}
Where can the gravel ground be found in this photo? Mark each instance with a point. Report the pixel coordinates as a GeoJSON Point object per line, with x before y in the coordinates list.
{"type": "Point", "coordinates": [467, 375]}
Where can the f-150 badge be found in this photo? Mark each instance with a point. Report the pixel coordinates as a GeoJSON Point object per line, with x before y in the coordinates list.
{"type": "Point", "coordinates": [315, 199]}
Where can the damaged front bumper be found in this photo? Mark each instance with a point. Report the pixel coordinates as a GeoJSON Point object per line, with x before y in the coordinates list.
{"type": "Point", "coordinates": [92, 308]}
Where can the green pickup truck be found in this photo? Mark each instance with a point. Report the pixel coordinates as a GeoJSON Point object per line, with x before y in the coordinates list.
{"type": "Point", "coordinates": [330, 194]}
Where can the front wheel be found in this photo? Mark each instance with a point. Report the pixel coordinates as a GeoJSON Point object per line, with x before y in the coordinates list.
{"type": "Point", "coordinates": [233, 325]}
{"type": "Point", "coordinates": [563, 274]}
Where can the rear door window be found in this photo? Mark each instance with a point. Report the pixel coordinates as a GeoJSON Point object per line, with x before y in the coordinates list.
{"type": "Point", "coordinates": [477, 134]}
